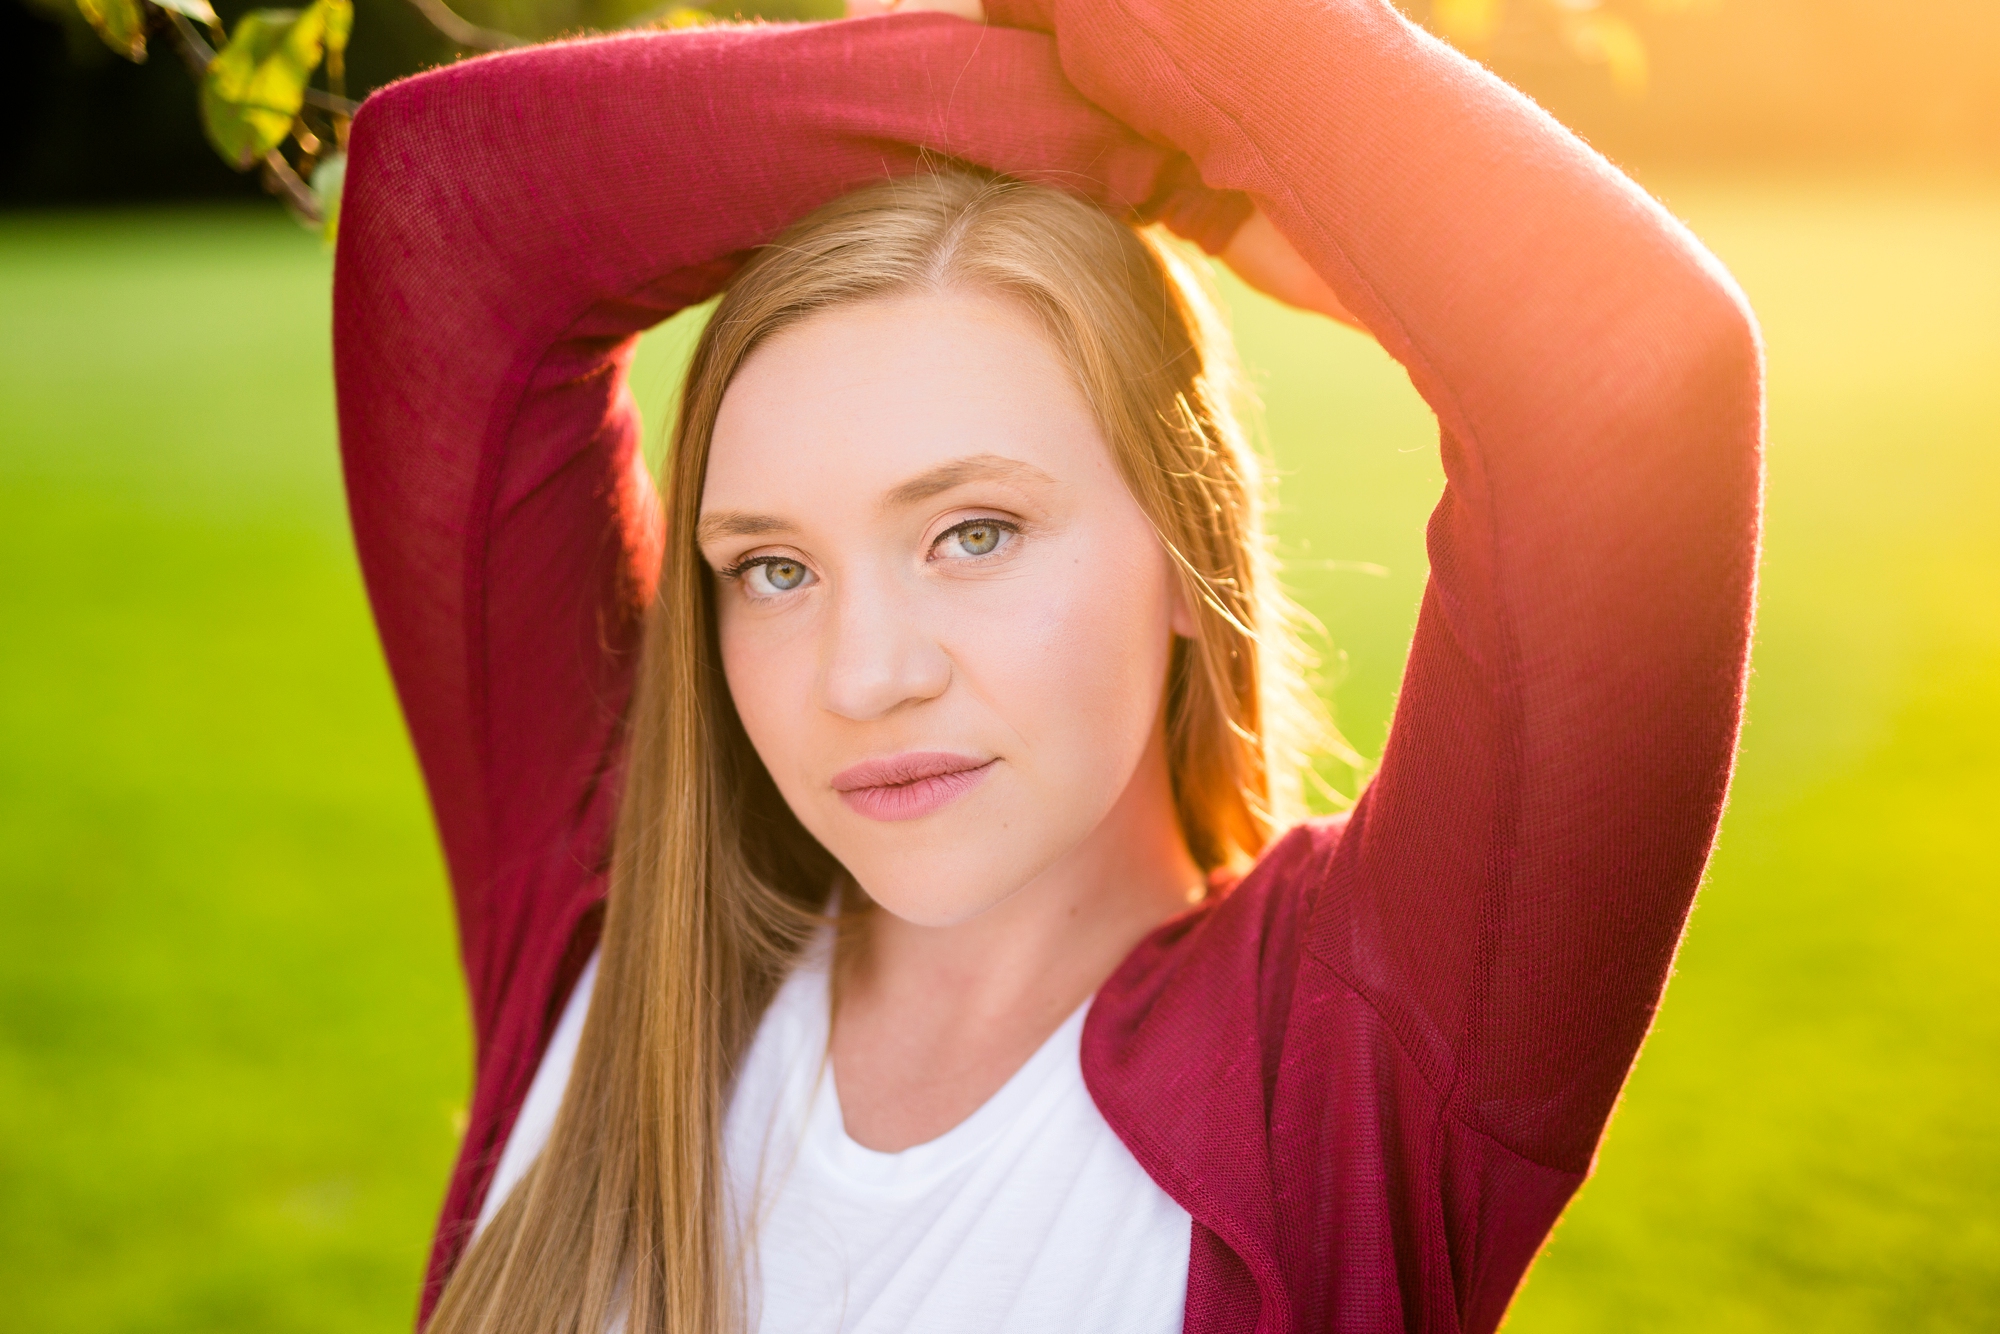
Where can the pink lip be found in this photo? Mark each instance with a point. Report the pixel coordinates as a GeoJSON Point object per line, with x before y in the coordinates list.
{"type": "Point", "coordinates": [909, 786]}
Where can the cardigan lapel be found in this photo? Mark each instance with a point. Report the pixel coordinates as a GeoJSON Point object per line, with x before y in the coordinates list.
{"type": "Point", "coordinates": [1178, 1052]}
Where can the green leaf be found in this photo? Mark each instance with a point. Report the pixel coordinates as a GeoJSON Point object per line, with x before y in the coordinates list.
{"type": "Point", "coordinates": [119, 22]}
{"type": "Point", "coordinates": [198, 10]}
{"type": "Point", "coordinates": [256, 84]}
{"type": "Point", "coordinates": [328, 179]}
{"type": "Point", "coordinates": [339, 23]}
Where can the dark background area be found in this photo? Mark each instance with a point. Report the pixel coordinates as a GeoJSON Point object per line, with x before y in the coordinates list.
{"type": "Point", "coordinates": [1754, 83]}
{"type": "Point", "coordinates": [80, 125]}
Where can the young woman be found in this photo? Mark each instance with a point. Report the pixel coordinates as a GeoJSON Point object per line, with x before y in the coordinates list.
{"type": "Point", "coordinates": [934, 738]}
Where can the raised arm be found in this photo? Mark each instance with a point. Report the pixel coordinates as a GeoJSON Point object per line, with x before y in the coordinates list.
{"type": "Point", "coordinates": [1513, 885]}
{"type": "Point", "coordinates": [510, 224]}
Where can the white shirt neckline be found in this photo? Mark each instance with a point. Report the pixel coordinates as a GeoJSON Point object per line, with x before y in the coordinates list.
{"type": "Point", "coordinates": [922, 1165]}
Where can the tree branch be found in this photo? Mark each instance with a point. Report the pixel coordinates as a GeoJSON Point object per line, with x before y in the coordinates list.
{"type": "Point", "coordinates": [338, 105]}
{"type": "Point", "coordinates": [195, 53]}
{"type": "Point", "coordinates": [440, 16]}
{"type": "Point", "coordinates": [297, 193]}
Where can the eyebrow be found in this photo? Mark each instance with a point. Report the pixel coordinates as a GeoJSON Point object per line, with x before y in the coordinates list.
{"type": "Point", "coordinates": [972, 468]}
{"type": "Point", "coordinates": [735, 523]}
{"type": "Point", "coordinates": [930, 482]}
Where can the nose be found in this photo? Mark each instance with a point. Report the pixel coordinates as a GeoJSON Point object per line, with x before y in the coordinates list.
{"type": "Point", "coordinates": [876, 655]}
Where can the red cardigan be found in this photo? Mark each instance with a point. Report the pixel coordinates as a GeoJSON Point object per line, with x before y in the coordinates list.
{"type": "Point", "coordinates": [1377, 1069]}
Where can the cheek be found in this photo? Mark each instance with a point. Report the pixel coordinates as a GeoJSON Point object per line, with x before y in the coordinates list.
{"type": "Point", "coordinates": [1075, 665]}
{"type": "Point", "coordinates": [769, 678]}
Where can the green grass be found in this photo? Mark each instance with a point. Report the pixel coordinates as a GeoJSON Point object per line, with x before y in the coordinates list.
{"type": "Point", "coordinates": [231, 1040]}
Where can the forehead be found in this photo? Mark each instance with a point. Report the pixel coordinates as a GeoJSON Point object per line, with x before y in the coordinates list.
{"type": "Point", "coordinates": [843, 407]}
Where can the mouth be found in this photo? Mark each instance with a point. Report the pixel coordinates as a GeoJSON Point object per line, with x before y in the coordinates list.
{"type": "Point", "coordinates": [909, 786]}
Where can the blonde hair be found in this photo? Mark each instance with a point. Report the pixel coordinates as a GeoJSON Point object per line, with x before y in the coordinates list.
{"type": "Point", "coordinates": [715, 885]}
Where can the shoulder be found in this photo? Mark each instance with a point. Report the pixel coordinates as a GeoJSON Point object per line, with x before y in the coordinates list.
{"type": "Point", "coordinates": [1246, 919]}
{"type": "Point", "coordinates": [1225, 968]}
{"type": "Point", "coordinates": [1280, 885]}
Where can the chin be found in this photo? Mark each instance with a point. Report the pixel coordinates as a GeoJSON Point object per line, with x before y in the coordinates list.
{"type": "Point", "coordinates": [946, 882]}
{"type": "Point", "coordinates": [937, 892]}
{"type": "Point", "coordinates": [933, 910]}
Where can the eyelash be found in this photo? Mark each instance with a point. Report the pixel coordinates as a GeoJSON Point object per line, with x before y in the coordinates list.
{"type": "Point", "coordinates": [743, 567]}
{"type": "Point", "coordinates": [984, 521]}
{"type": "Point", "coordinates": [736, 572]}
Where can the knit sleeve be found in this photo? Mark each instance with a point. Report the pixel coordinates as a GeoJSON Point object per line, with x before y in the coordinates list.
{"type": "Point", "coordinates": [1513, 884]}
{"type": "Point", "coordinates": [511, 223]}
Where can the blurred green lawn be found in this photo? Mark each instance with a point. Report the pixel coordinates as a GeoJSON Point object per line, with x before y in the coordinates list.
{"type": "Point", "coordinates": [232, 1046]}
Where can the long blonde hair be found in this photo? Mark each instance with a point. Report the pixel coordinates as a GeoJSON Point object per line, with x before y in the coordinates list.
{"type": "Point", "coordinates": [715, 885]}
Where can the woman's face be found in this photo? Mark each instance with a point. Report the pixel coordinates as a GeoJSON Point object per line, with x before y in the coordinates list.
{"type": "Point", "coordinates": [944, 620]}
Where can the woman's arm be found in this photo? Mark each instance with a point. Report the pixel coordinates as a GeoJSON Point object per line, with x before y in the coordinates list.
{"type": "Point", "coordinates": [1513, 885]}
{"type": "Point", "coordinates": [511, 222]}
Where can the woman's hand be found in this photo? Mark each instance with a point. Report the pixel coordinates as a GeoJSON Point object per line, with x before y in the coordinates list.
{"type": "Point", "coordinates": [1258, 253]}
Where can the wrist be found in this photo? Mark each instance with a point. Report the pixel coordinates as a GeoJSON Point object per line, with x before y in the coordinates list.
{"type": "Point", "coordinates": [1211, 219]}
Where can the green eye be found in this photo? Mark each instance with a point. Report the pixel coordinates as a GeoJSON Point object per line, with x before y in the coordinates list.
{"type": "Point", "coordinates": [784, 575]}
{"type": "Point", "coordinates": [978, 539]}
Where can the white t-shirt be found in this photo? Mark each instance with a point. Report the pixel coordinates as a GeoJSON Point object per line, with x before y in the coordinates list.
{"type": "Point", "coordinates": [1030, 1215]}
